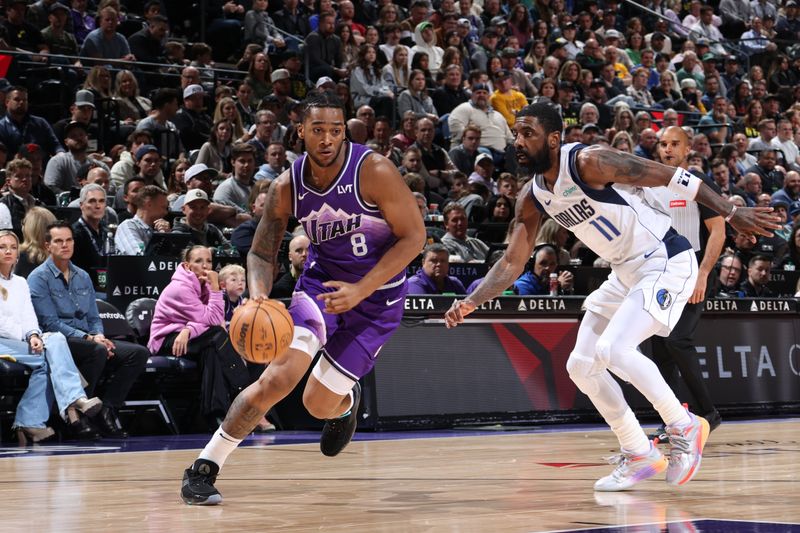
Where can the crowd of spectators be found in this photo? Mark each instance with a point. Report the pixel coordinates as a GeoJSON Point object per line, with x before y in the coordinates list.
{"type": "Point", "coordinates": [177, 125]}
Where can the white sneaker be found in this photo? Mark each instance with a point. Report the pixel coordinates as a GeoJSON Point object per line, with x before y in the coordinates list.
{"type": "Point", "coordinates": [631, 469]}
{"type": "Point", "coordinates": [686, 450]}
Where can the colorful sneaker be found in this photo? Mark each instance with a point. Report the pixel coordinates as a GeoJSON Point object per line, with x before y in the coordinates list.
{"type": "Point", "coordinates": [631, 469]}
{"type": "Point", "coordinates": [686, 450]}
{"type": "Point", "coordinates": [659, 436]}
{"type": "Point", "coordinates": [198, 484]}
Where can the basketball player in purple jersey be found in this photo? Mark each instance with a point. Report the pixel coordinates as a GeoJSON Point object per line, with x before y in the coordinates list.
{"type": "Point", "coordinates": [603, 196]}
{"type": "Point", "coordinates": [357, 212]}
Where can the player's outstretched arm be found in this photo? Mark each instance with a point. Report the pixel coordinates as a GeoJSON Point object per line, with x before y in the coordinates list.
{"type": "Point", "coordinates": [267, 240]}
{"type": "Point", "coordinates": [382, 185]}
{"type": "Point", "coordinates": [599, 166]}
{"type": "Point", "coordinates": [527, 219]}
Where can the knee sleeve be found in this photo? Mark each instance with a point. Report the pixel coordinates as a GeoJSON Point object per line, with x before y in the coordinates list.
{"type": "Point", "coordinates": [602, 352]}
{"type": "Point", "coordinates": [581, 369]}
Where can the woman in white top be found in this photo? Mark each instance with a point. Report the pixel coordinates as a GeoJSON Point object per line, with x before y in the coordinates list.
{"type": "Point", "coordinates": [54, 372]}
{"type": "Point", "coordinates": [366, 84]}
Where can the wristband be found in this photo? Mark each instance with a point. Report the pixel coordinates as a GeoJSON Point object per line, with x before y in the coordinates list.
{"type": "Point", "coordinates": [684, 184]}
{"type": "Point", "coordinates": [730, 215]}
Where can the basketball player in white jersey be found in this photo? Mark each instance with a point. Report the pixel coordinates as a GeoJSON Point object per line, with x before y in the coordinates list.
{"type": "Point", "coordinates": [602, 196]}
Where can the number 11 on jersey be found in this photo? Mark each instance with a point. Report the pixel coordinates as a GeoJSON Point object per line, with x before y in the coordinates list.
{"type": "Point", "coordinates": [599, 224]}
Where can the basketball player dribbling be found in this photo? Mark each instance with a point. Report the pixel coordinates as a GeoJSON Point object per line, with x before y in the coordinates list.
{"type": "Point", "coordinates": [356, 210]}
{"type": "Point", "coordinates": [602, 196]}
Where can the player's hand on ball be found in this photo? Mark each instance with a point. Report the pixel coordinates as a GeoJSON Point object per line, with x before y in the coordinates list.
{"type": "Point", "coordinates": [457, 312]}
{"type": "Point", "coordinates": [345, 297]}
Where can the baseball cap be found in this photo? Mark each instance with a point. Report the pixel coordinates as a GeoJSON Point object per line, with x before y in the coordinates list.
{"type": "Point", "coordinates": [597, 82]}
{"type": "Point", "coordinates": [590, 126]}
{"type": "Point", "coordinates": [613, 34]}
{"type": "Point", "coordinates": [499, 20]}
{"type": "Point", "coordinates": [144, 150]}
{"type": "Point", "coordinates": [508, 52]}
{"type": "Point", "coordinates": [192, 195]}
{"type": "Point", "coordinates": [732, 60]}
{"type": "Point", "coordinates": [29, 149]}
{"type": "Point", "coordinates": [555, 45]}
{"type": "Point", "coordinates": [280, 74]}
{"type": "Point", "coordinates": [794, 210]}
{"type": "Point", "coordinates": [483, 157]}
{"type": "Point", "coordinates": [192, 90]}
{"type": "Point", "coordinates": [84, 97]}
{"type": "Point", "coordinates": [570, 26]}
{"type": "Point", "coordinates": [464, 22]}
{"type": "Point", "coordinates": [5, 85]}
{"type": "Point", "coordinates": [779, 202]}
{"type": "Point", "coordinates": [791, 3]}
{"type": "Point", "coordinates": [565, 86]}
{"type": "Point", "coordinates": [702, 42]}
{"type": "Point", "coordinates": [490, 32]}
{"type": "Point", "coordinates": [709, 57]}
{"type": "Point", "coordinates": [480, 87]}
{"type": "Point", "coordinates": [424, 24]}
{"type": "Point", "coordinates": [688, 82]}
{"type": "Point", "coordinates": [58, 5]}
{"type": "Point", "coordinates": [74, 125]}
{"type": "Point", "coordinates": [323, 80]}
{"type": "Point", "coordinates": [502, 74]}
{"type": "Point", "coordinates": [198, 169]}
{"type": "Point", "coordinates": [658, 35]}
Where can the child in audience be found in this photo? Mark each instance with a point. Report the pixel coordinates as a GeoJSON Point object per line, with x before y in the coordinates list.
{"type": "Point", "coordinates": [233, 282]}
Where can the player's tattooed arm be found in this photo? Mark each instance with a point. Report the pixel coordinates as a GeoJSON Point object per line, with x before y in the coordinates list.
{"type": "Point", "coordinates": [263, 256]}
{"type": "Point", "coordinates": [599, 166]}
{"type": "Point", "coordinates": [506, 271]}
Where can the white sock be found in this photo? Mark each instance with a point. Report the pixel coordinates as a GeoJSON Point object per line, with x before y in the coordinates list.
{"type": "Point", "coordinates": [219, 447]}
{"type": "Point", "coordinates": [672, 412]}
{"type": "Point", "coordinates": [347, 411]}
{"type": "Point", "coordinates": [630, 434]}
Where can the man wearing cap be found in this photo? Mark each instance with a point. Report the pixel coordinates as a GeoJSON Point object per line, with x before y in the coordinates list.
{"type": "Point", "coordinates": [474, 22]}
{"type": "Point", "coordinates": [505, 99]}
{"type": "Point", "coordinates": [282, 91]}
{"type": "Point", "coordinates": [81, 111]}
{"type": "Point", "coordinates": [38, 12]}
{"type": "Point", "coordinates": [192, 123]}
{"type": "Point", "coordinates": [133, 235]}
{"type": "Point", "coordinates": [573, 47]}
{"type": "Point", "coordinates": [495, 133]}
{"type": "Point", "coordinates": [730, 74]}
{"type": "Point", "coordinates": [235, 190]}
{"type": "Point", "coordinates": [147, 44]}
{"type": "Point", "coordinates": [62, 169]}
{"type": "Point", "coordinates": [425, 41]}
{"type": "Point", "coordinates": [659, 41]}
{"type": "Point", "coordinates": [323, 49]}
{"type": "Point", "coordinates": [20, 34]}
{"type": "Point", "coordinates": [570, 110]}
{"type": "Point", "coordinates": [484, 49]}
{"type": "Point", "coordinates": [195, 222]}
{"type": "Point", "coordinates": [482, 172]}
{"type": "Point", "coordinates": [125, 168]}
{"type": "Point", "coordinates": [148, 160]}
{"type": "Point", "coordinates": [299, 84]}
{"type": "Point", "coordinates": [55, 36]}
{"type": "Point", "coordinates": [520, 80]}
{"type": "Point", "coordinates": [18, 127]}
{"type": "Point", "coordinates": [589, 133]}
{"type": "Point", "coordinates": [104, 42]}
{"type": "Point", "coordinates": [491, 10]}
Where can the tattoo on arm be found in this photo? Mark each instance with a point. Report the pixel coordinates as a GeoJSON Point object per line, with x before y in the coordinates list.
{"type": "Point", "coordinates": [499, 278]}
{"type": "Point", "coordinates": [620, 165]}
{"type": "Point", "coordinates": [241, 418]}
{"type": "Point", "coordinates": [266, 242]}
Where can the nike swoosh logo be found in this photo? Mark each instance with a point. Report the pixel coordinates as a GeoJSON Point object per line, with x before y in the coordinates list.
{"type": "Point", "coordinates": [547, 202]}
{"type": "Point", "coordinates": [649, 254]}
{"type": "Point", "coordinates": [301, 196]}
{"type": "Point", "coordinates": [392, 302]}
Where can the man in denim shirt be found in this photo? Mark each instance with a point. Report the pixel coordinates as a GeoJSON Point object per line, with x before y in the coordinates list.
{"type": "Point", "coordinates": [64, 301]}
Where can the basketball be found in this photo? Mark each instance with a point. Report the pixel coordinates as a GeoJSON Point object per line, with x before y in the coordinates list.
{"type": "Point", "coordinates": [261, 331]}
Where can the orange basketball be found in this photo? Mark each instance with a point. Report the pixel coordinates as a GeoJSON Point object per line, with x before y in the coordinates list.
{"type": "Point", "coordinates": [261, 331]}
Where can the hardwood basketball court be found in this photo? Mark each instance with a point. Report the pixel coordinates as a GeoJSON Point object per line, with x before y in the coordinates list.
{"type": "Point", "coordinates": [492, 481]}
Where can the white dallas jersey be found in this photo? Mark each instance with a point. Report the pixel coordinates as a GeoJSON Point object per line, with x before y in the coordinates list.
{"type": "Point", "coordinates": [618, 222]}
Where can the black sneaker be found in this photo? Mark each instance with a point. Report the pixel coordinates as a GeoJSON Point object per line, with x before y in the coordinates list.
{"type": "Point", "coordinates": [659, 436]}
{"type": "Point", "coordinates": [713, 418]}
{"type": "Point", "coordinates": [198, 484]}
{"type": "Point", "coordinates": [338, 432]}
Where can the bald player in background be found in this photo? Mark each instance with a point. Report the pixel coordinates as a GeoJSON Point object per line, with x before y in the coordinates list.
{"type": "Point", "coordinates": [705, 230]}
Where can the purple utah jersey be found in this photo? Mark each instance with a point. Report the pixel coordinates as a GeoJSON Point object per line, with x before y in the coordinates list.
{"type": "Point", "coordinates": [348, 235]}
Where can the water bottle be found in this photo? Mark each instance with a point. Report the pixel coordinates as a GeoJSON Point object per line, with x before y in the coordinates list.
{"type": "Point", "coordinates": [789, 266]}
{"type": "Point", "coordinates": [434, 214]}
{"type": "Point", "coordinates": [553, 284]}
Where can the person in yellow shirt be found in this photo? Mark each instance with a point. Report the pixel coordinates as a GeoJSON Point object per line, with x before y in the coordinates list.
{"type": "Point", "coordinates": [505, 99]}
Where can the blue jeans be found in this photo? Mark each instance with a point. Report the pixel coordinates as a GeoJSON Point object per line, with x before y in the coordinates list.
{"type": "Point", "coordinates": [54, 377]}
